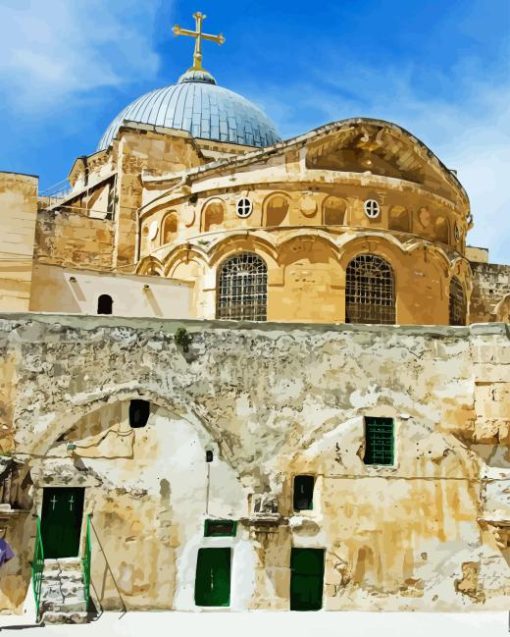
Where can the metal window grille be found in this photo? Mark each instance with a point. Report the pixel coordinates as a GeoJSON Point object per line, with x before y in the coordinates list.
{"type": "Point", "coordinates": [370, 291]}
{"type": "Point", "coordinates": [244, 207]}
{"type": "Point", "coordinates": [371, 208]}
{"type": "Point", "coordinates": [379, 441]}
{"type": "Point", "coordinates": [242, 289]}
{"type": "Point", "coordinates": [457, 303]}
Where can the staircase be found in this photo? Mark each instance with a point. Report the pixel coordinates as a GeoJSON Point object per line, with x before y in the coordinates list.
{"type": "Point", "coordinates": [63, 596]}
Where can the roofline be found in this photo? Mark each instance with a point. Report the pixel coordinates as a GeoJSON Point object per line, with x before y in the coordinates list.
{"type": "Point", "coordinates": [316, 132]}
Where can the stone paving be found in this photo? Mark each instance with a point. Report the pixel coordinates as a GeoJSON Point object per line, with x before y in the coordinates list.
{"type": "Point", "coordinates": [267, 624]}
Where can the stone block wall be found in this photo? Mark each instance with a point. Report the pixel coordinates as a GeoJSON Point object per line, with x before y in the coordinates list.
{"type": "Point", "coordinates": [270, 401]}
{"type": "Point", "coordinates": [18, 209]}
{"type": "Point", "coordinates": [491, 283]}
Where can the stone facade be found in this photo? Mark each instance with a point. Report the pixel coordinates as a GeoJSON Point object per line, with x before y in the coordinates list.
{"type": "Point", "coordinates": [270, 401]}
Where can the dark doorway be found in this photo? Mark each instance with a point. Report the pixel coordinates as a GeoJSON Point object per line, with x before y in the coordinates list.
{"type": "Point", "coordinates": [62, 513]}
{"type": "Point", "coordinates": [212, 583]}
{"type": "Point", "coordinates": [306, 579]}
{"type": "Point", "coordinates": [105, 304]}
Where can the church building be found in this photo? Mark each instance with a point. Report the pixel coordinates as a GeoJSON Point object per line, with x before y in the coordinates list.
{"type": "Point", "coordinates": [253, 373]}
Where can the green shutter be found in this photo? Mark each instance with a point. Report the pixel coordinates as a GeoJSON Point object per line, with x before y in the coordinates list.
{"type": "Point", "coordinates": [379, 441]}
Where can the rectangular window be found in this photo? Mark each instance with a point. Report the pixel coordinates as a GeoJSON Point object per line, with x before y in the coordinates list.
{"type": "Point", "coordinates": [303, 493]}
{"type": "Point", "coordinates": [220, 528]}
{"type": "Point", "coordinates": [379, 441]}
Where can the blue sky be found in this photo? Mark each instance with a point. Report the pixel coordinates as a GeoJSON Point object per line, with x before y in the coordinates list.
{"type": "Point", "coordinates": [441, 69]}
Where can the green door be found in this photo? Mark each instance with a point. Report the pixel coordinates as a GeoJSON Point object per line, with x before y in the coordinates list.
{"type": "Point", "coordinates": [306, 579]}
{"type": "Point", "coordinates": [212, 583]}
{"type": "Point", "coordinates": [62, 513]}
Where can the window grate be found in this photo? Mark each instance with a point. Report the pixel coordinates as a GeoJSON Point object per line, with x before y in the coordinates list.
{"type": "Point", "coordinates": [242, 289]}
{"type": "Point", "coordinates": [370, 291]}
{"type": "Point", "coordinates": [379, 441]}
{"type": "Point", "coordinates": [457, 303]}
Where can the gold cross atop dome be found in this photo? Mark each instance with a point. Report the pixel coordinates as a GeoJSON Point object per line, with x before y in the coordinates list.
{"type": "Point", "coordinates": [199, 36]}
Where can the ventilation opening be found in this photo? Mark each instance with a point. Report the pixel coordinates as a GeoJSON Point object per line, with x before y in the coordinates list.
{"type": "Point", "coordinates": [139, 411]}
{"type": "Point", "coordinates": [303, 493]}
{"type": "Point", "coordinates": [105, 304]}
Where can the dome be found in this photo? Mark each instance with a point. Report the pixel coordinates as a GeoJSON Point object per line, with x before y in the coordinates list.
{"type": "Point", "coordinates": [198, 105]}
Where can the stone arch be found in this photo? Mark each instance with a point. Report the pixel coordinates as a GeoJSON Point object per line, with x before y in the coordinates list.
{"type": "Point", "coordinates": [399, 219]}
{"type": "Point", "coordinates": [333, 211]}
{"type": "Point", "coordinates": [58, 423]}
{"type": "Point", "coordinates": [183, 254]}
{"type": "Point", "coordinates": [213, 214]}
{"type": "Point", "coordinates": [169, 227]}
{"type": "Point", "coordinates": [276, 209]}
{"type": "Point", "coordinates": [243, 242]}
{"type": "Point", "coordinates": [150, 266]}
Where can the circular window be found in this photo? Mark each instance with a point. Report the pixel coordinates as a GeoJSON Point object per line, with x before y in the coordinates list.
{"type": "Point", "coordinates": [244, 208]}
{"type": "Point", "coordinates": [371, 208]}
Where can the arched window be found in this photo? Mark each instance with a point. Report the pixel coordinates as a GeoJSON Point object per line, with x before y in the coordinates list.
{"type": "Point", "coordinates": [369, 291]}
{"type": "Point", "coordinates": [105, 304]}
{"type": "Point", "coordinates": [213, 215]}
{"type": "Point", "coordinates": [242, 288]}
{"type": "Point", "coordinates": [277, 207]}
{"type": "Point", "coordinates": [457, 303]}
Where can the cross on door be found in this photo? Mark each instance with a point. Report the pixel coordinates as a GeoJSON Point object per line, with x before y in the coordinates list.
{"type": "Point", "coordinates": [71, 502]}
{"type": "Point", "coordinates": [53, 502]}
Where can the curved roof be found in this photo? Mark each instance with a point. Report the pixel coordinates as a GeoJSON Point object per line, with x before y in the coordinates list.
{"type": "Point", "coordinates": [197, 105]}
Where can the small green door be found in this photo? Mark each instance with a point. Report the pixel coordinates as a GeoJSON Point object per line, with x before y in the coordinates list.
{"type": "Point", "coordinates": [212, 583]}
{"type": "Point", "coordinates": [61, 518]}
{"type": "Point", "coordinates": [306, 579]}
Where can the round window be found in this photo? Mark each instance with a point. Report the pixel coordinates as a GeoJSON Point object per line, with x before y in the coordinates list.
{"type": "Point", "coordinates": [372, 208]}
{"type": "Point", "coordinates": [244, 208]}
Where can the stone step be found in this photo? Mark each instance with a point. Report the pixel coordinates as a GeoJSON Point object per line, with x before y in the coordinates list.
{"type": "Point", "coordinates": [62, 617]}
{"type": "Point", "coordinates": [63, 564]}
{"type": "Point", "coordinates": [67, 606]}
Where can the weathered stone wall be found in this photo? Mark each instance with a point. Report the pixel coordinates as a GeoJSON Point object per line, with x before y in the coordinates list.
{"type": "Point", "coordinates": [72, 238]}
{"type": "Point", "coordinates": [491, 283]}
{"type": "Point", "coordinates": [271, 401]}
{"type": "Point", "coordinates": [18, 209]}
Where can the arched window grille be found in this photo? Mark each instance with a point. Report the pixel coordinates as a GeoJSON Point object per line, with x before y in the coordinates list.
{"type": "Point", "coordinates": [105, 304]}
{"type": "Point", "coordinates": [242, 288]}
{"type": "Point", "coordinates": [370, 291]}
{"type": "Point", "coordinates": [457, 303]}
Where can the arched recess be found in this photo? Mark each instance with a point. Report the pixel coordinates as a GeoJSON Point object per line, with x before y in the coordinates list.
{"type": "Point", "coordinates": [213, 215]}
{"type": "Point", "coordinates": [150, 266]}
{"type": "Point", "coordinates": [333, 211]}
{"type": "Point", "coordinates": [370, 291]}
{"type": "Point", "coordinates": [457, 303]}
{"type": "Point", "coordinates": [442, 230]}
{"type": "Point", "coordinates": [276, 208]}
{"type": "Point", "coordinates": [241, 289]}
{"type": "Point", "coordinates": [169, 228]}
{"type": "Point", "coordinates": [400, 219]}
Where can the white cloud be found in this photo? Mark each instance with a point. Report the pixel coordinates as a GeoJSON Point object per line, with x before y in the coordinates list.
{"type": "Point", "coordinates": [53, 50]}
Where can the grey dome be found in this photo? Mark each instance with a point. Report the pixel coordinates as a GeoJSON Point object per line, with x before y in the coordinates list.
{"type": "Point", "coordinates": [197, 105]}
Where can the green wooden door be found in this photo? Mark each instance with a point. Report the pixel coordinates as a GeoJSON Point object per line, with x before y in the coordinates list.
{"type": "Point", "coordinates": [306, 579]}
{"type": "Point", "coordinates": [61, 518]}
{"type": "Point", "coordinates": [212, 583]}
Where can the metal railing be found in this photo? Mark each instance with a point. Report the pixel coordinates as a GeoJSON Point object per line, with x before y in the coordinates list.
{"type": "Point", "coordinates": [86, 561]}
{"type": "Point", "coordinates": [38, 568]}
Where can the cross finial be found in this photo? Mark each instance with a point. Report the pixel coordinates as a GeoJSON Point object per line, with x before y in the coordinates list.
{"type": "Point", "coordinates": [199, 36]}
